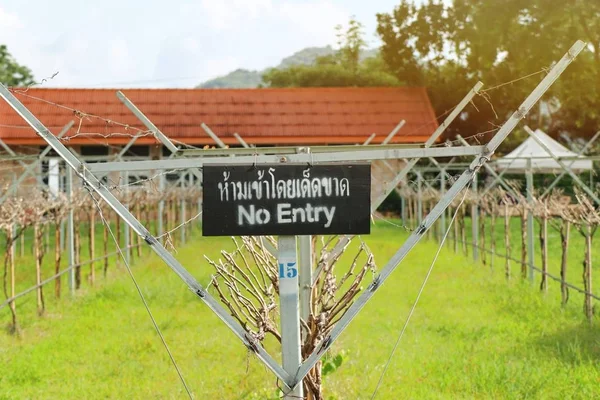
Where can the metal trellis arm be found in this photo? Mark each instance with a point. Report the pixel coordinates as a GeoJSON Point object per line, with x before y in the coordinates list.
{"type": "Point", "coordinates": [151, 127]}
{"type": "Point", "coordinates": [441, 206]}
{"type": "Point", "coordinates": [359, 153]}
{"type": "Point", "coordinates": [438, 132]}
{"type": "Point", "coordinates": [96, 185]}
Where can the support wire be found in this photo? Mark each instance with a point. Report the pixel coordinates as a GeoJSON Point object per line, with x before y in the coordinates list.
{"type": "Point", "coordinates": [414, 306]}
{"type": "Point", "coordinates": [137, 287]}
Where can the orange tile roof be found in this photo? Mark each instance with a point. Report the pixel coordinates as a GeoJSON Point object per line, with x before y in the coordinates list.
{"type": "Point", "coordinates": [260, 116]}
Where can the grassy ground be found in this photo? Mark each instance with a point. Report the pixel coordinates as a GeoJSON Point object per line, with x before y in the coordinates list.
{"type": "Point", "coordinates": [473, 336]}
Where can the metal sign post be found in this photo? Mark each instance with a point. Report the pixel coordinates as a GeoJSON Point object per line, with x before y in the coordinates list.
{"type": "Point", "coordinates": [289, 309]}
{"type": "Point", "coordinates": [305, 264]}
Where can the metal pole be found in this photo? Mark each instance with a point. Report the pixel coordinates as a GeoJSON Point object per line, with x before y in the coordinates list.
{"type": "Point", "coordinates": [530, 238]}
{"type": "Point", "coordinates": [403, 205]}
{"type": "Point", "coordinates": [71, 228]}
{"type": "Point", "coordinates": [354, 154]}
{"type": "Point", "coordinates": [289, 310]}
{"type": "Point", "coordinates": [393, 133]}
{"type": "Point", "coordinates": [241, 140]}
{"type": "Point", "coordinates": [151, 127]}
{"type": "Point", "coordinates": [213, 136]}
{"type": "Point", "coordinates": [127, 230]}
{"type": "Point", "coordinates": [305, 270]}
{"type": "Point", "coordinates": [475, 221]}
{"type": "Point", "coordinates": [182, 212]}
{"type": "Point", "coordinates": [369, 139]}
{"type": "Point", "coordinates": [498, 178]}
{"type": "Point", "coordinates": [161, 205]}
{"type": "Point", "coordinates": [442, 191]}
{"type": "Point", "coordinates": [419, 197]}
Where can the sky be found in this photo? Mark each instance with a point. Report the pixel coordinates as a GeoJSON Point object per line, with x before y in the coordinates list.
{"type": "Point", "coordinates": [176, 43]}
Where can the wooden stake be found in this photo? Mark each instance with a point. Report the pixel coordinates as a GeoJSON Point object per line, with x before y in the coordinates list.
{"type": "Point", "coordinates": [507, 241]}
{"type": "Point", "coordinates": [544, 246]}
{"type": "Point", "coordinates": [493, 236]}
{"type": "Point", "coordinates": [455, 234]}
{"type": "Point", "coordinates": [10, 260]}
{"type": "Point", "coordinates": [105, 242]}
{"type": "Point", "coordinates": [138, 239]}
{"type": "Point", "coordinates": [564, 236]}
{"type": "Point", "coordinates": [482, 238]}
{"type": "Point", "coordinates": [39, 254]}
{"type": "Point", "coordinates": [57, 258]}
{"type": "Point", "coordinates": [22, 240]}
{"type": "Point", "coordinates": [587, 274]}
{"type": "Point", "coordinates": [118, 229]}
{"type": "Point", "coordinates": [92, 245]}
{"type": "Point", "coordinates": [77, 240]}
{"type": "Point", "coordinates": [463, 233]}
{"type": "Point", "coordinates": [524, 243]}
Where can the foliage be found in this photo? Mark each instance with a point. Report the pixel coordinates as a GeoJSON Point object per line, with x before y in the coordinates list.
{"type": "Point", "coordinates": [332, 362]}
{"type": "Point", "coordinates": [449, 48]}
{"type": "Point", "coordinates": [344, 67]}
{"type": "Point", "coordinates": [11, 72]}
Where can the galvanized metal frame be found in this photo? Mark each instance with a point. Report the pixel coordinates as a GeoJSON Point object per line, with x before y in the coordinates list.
{"type": "Point", "coordinates": [151, 127]}
{"type": "Point", "coordinates": [94, 184]}
{"type": "Point", "coordinates": [390, 186]}
{"type": "Point", "coordinates": [483, 155]}
{"type": "Point", "coordinates": [358, 153]}
{"type": "Point", "coordinates": [434, 137]}
{"type": "Point", "coordinates": [441, 206]}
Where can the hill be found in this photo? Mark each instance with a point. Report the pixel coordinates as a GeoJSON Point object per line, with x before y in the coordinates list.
{"type": "Point", "coordinates": [244, 78]}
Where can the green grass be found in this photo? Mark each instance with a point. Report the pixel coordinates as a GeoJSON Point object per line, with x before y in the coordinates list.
{"type": "Point", "coordinates": [473, 336]}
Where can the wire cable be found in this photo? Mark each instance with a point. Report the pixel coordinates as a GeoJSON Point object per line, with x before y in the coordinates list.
{"type": "Point", "coordinates": [414, 306]}
{"type": "Point", "coordinates": [137, 287]}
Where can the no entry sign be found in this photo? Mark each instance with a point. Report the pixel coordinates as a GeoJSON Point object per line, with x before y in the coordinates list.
{"type": "Point", "coordinates": [286, 199]}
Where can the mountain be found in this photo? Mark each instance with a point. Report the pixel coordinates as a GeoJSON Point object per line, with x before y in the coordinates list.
{"type": "Point", "coordinates": [240, 78]}
{"type": "Point", "coordinates": [305, 56]}
{"type": "Point", "coordinates": [243, 78]}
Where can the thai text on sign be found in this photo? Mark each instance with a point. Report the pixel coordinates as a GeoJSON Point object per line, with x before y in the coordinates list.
{"type": "Point", "coordinates": [286, 199]}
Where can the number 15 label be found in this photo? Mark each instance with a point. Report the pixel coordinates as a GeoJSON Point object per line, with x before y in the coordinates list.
{"type": "Point", "coordinates": [288, 270]}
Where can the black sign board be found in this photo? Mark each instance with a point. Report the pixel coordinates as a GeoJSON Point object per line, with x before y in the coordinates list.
{"type": "Point", "coordinates": [286, 199]}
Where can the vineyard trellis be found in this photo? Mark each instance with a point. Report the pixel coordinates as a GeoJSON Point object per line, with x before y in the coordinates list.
{"type": "Point", "coordinates": [553, 210]}
{"type": "Point", "coordinates": [41, 212]}
{"type": "Point", "coordinates": [292, 378]}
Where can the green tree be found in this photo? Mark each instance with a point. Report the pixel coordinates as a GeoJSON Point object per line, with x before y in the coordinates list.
{"type": "Point", "coordinates": [449, 48]}
{"type": "Point", "coordinates": [343, 68]}
{"type": "Point", "coordinates": [11, 72]}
